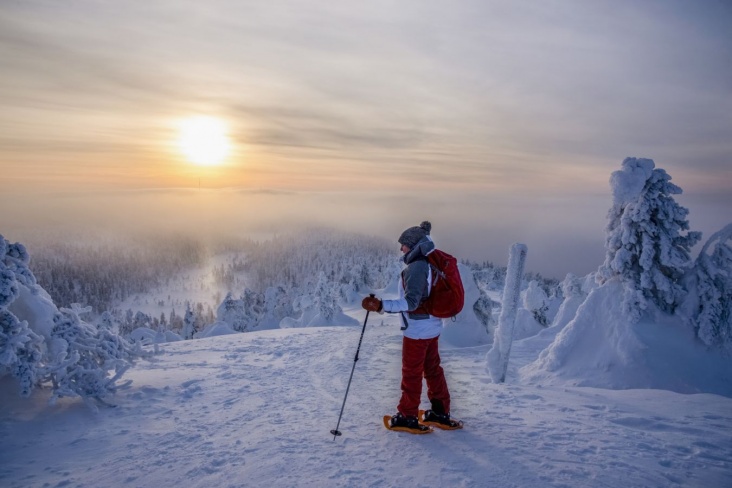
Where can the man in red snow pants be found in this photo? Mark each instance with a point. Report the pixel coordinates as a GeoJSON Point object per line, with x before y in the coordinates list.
{"type": "Point", "coordinates": [420, 355]}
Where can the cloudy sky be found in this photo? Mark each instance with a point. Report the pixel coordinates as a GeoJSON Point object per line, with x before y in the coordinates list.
{"type": "Point", "coordinates": [498, 120]}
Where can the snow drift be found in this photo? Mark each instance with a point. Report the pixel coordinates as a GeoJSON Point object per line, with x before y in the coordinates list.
{"type": "Point", "coordinates": [601, 348]}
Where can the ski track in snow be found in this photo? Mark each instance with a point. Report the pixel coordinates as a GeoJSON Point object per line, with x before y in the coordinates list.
{"type": "Point", "coordinates": [256, 410]}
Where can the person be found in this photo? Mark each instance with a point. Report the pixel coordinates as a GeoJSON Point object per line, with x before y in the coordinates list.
{"type": "Point", "coordinates": [420, 354]}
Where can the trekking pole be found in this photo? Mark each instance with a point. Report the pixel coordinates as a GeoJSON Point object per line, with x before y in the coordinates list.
{"type": "Point", "coordinates": [335, 431]}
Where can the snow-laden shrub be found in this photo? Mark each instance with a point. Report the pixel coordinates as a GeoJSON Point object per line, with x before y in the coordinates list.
{"type": "Point", "coordinates": [40, 344]}
{"type": "Point", "coordinates": [189, 322]}
{"type": "Point", "coordinates": [20, 351]}
{"type": "Point", "coordinates": [325, 300]}
{"type": "Point", "coordinates": [20, 347]}
{"type": "Point", "coordinates": [646, 245]}
{"type": "Point", "coordinates": [574, 293]}
{"type": "Point", "coordinates": [536, 301]}
{"type": "Point", "coordinates": [711, 311]}
{"type": "Point", "coordinates": [86, 361]}
{"type": "Point", "coordinates": [277, 306]}
{"type": "Point", "coordinates": [483, 310]}
{"type": "Point", "coordinates": [241, 314]}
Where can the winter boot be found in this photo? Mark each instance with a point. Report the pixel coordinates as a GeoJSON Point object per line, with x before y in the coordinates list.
{"type": "Point", "coordinates": [403, 422]}
{"type": "Point", "coordinates": [441, 420]}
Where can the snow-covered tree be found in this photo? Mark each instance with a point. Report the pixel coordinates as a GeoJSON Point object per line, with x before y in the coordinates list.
{"type": "Point", "coordinates": [243, 314]}
{"type": "Point", "coordinates": [483, 310]}
{"type": "Point", "coordinates": [189, 323]}
{"type": "Point", "coordinates": [277, 306]}
{"type": "Point", "coordinates": [711, 309]}
{"type": "Point", "coordinates": [324, 299]}
{"type": "Point", "coordinates": [573, 290]}
{"type": "Point", "coordinates": [20, 347]}
{"type": "Point", "coordinates": [142, 320]}
{"type": "Point", "coordinates": [536, 301]}
{"type": "Point", "coordinates": [647, 241]}
{"type": "Point", "coordinates": [40, 344]}
{"type": "Point", "coordinates": [20, 351]}
{"type": "Point", "coordinates": [107, 322]}
{"type": "Point", "coordinates": [82, 357]}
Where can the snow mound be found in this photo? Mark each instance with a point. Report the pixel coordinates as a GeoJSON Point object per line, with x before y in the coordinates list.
{"type": "Point", "coordinates": [147, 336]}
{"type": "Point", "coordinates": [466, 330]}
{"type": "Point", "coordinates": [216, 329]}
{"type": "Point", "coordinates": [601, 348]}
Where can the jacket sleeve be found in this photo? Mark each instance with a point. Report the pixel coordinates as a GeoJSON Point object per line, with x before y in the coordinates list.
{"type": "Point", "coordinates": [415, 286]}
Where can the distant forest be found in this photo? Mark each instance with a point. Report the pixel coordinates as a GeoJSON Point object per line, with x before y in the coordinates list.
{"type": "Point", "coordinates": [104, 274]}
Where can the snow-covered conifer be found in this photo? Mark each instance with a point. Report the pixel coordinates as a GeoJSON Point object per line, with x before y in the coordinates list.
{"type": "Point", "coordinates": [253, 308]}
{"type": "Point", "coordinates": [277, 306]}
{"type": "Point", "coordinates": [712, 277]}
{"type": "Point", "coordinates": [142, 320]}
{"type": "Point", "coordinates": [646, 246]}
{"type": "Point", "coordinates": [573, 289]}
{"type": "Point", "coordinates": [536, 301]}
{"type": "Point", "coordinates": [483, 309]}
{"type": "Point", "coordinates": [107, 322]}
{"type": "Point", "coordinates": [243, 314]}
{"type": "Point", "coordinates": [571, 286]}
{"type": "Point", "coordinates": [20, 347]}
{"type": "Point", "coordinates": [189, 322]}
{"type": "Point", "coordinates": [326, 302]}
{"type": "Point", "coordinates": [20, 351]}
{"type": "Point", "coordinates": [82, 357]}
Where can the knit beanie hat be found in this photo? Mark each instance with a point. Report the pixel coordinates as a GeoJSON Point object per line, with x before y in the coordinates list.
{"type": "Point", "coordinates": [413, 235]}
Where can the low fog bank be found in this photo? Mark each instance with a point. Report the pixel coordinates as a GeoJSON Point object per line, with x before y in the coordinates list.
{"type": "Point", "coordinates": [563, 234]}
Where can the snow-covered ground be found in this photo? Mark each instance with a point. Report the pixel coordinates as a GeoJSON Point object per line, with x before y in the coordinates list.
{"type": "Point", "coordinates": [256, 409]}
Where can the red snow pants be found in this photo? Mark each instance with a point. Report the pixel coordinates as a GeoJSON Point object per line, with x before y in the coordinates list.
{"type": "Point", "coordinates": [421, 358]}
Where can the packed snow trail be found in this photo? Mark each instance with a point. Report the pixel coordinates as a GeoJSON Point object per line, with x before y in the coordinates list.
{"type": "Point", "coordinates": [256, 409]}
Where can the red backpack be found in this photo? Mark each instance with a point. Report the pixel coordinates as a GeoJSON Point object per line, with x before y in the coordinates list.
{"type": "Point", "coordinates": [447, 296]}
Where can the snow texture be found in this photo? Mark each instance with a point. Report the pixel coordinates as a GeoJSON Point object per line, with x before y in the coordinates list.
{"type": "Point", "coordinates": [238, 410]}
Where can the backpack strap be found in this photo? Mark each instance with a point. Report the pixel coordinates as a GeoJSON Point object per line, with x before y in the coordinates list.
{"type": "Point", "coordinates": [404, 319]}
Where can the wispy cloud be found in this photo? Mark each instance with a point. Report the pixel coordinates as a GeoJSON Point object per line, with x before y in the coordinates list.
{"type": "Point", "coordinates": [478, 99]}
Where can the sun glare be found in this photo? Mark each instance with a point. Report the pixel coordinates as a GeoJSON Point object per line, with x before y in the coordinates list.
{"type": "Point", "coordinates": [204, 140]}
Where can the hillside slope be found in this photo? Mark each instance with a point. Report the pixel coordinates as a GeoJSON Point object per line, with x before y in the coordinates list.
{"type": "Point", "coordinates": [256, 409]}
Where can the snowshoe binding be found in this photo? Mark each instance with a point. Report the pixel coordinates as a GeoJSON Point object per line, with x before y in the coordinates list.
{"type": "Point", "coordinates": [441, 421]}
{"type": "Point", "coordinates": [402, 423]}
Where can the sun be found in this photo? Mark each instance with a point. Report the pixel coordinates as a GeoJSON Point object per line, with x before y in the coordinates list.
{"type": "Point", "coordinates": [204, 140]}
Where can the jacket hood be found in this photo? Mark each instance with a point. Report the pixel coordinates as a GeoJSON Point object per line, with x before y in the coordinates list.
{"type": "Point", "coordinates": [420, 251]}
